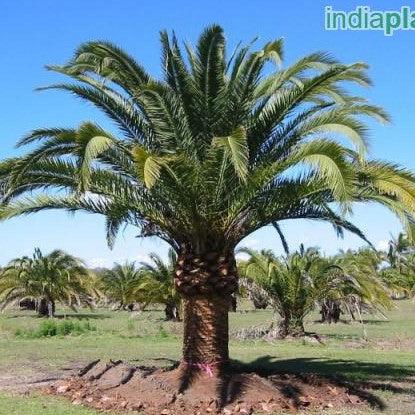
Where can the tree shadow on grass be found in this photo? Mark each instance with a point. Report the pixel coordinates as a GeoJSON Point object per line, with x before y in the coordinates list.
{"type": "Point", "coordinates": [59, 316]}
{"type": "Point", "coordinates": [84, 316]}
{"type": "Point", "coordinates": [357, 376]}
{"type": "Point", "coordinates": [349, 323]}
{"type": "Point", "coordinates": [353, 370]}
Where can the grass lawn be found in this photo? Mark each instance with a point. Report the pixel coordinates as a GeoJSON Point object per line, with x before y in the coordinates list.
{"type": "Point", "coordinates": [386, 361]}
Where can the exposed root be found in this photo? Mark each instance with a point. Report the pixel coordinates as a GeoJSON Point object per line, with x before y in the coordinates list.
{"type": "Point", "coordinates": [88, 367]}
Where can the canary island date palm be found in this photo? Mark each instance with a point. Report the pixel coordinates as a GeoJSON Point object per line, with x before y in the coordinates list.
{"type": "Point", "coordinates": [294, 285]}
{"type": "Point", "coordinates": [158, 284]}
{"type": "Point", "coordinates": [360, 289]}
{"type": "Point", "coordinates": [297, 283]}
{"type": "Point", "coordinates": [399, 275]}
{"type": "Point", "coordinates": [46, 279]}
{"type": "Point", "coordinates": [398, 249]}
{"type": "Point", "coordinates": [118, 282]}
{"type": "Point", "coordinates": [220, 146]}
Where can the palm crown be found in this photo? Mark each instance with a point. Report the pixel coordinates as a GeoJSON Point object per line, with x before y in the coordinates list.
{"type": "Point", "coordinates": [215, 150]}
{"type": "Point", "coordinates": [118, 282]}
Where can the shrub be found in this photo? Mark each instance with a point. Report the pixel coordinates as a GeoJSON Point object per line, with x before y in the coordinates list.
{"type": "Point", "coordinates": [51, 328]}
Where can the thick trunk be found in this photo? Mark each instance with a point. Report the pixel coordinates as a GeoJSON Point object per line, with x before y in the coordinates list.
{"type": "Point", "coordinates": [45, 308]}
{"type": "Point", "coordinates": [290, 326]}
{"type": "Point", "coordinates": [171, 311]}
{"type": "Point", "coordinates": [330, 312]}
{"type": "Point", "coordinates": [205, 337]}
{"type": "Point", "coordinates": [206, 283]}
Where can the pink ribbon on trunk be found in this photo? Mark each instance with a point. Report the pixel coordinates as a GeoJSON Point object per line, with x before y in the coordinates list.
{"type": "Point", "coordinates": [204, 367]}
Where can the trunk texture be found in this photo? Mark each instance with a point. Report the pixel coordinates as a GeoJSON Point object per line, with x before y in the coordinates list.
{"type": "Point", "coordinates": [206, 283]}
{"type": "Point", "coordinates": [290, 326]}
{"type": "Point", "coordinates": [205, 338]}
{"type": "Point", "coordinates": [330, 312]}
{"type": "Point", "coordinates": [171, 312]}
{"type": "Point", "coordinates": [45, 308]}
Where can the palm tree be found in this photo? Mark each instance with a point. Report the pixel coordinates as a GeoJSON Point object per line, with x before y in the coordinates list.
{"type": "Point", "coordinates": [48, 279]}
{"type": "Point", "coordinates": [158, 285]}
{"type": "Point", "coordinates": [294, 285]}
{"type": "Point", "coordinates": [401, 284]}
{"type": "Point", "coordinates": [399, 276]}
{"type": "Point", "coordinates": [216, 149]}
{"type": "Point", "coordinates": [358, 287]}
{"type": "Point", "coordinates": [398, 247]}
{"type": "Point", "coordinates": [118, 282]}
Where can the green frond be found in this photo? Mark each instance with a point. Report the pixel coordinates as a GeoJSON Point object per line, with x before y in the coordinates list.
{"type": "Point", "coordinates": [94, 145]}
{"type": "Point", "coordinates": [235, 147]}
{"type": "Point", "coordinates": [274, 51]}
{"type": "Point", "coordinates": [328, 161]}
{"type": "Point", "coordinates": [148, 166]}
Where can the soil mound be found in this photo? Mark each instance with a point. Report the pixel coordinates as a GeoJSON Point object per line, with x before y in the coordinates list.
{"type": "Point", "coordinates": [120, 386]}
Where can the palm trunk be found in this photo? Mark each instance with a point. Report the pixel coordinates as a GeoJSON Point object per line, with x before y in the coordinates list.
{"type": "Point", "coordinates": [205, 338]}
{"type": "Point", "coordinates": [291, 326]}
{"type": "Point", "coordinates": [206, 283]}
{"type": "Point", "coordinates": [51, 309]}
{"type": "Point", "coordinates": [330, 311]}
{"type": "Point", "coordinates": [171, 311]}
{"type": "Point", "coordinates": [42, 307]}
{"type": "Point", "coordinates": [45, 307]}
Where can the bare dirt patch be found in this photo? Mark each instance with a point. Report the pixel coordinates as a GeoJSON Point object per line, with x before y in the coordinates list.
{"type": "Point", "coordinates": [120, 386]}
{"type": "Point", "coordinates": [407, 345]}
{"type": "Point", "coordinates": [34, 377]}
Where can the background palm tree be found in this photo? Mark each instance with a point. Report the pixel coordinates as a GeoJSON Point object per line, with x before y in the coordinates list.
{"type": "Point", "coordinates": [360, 288]}
{"type": "Point", "coordinates": [218, 148]}
{"type": "Point", "coordinates": [399, 275]}
{"type": "Point", "coordinates": [294, 284]}
{"type": "Point", "coordinates": [158, 285]}
{"type": "Point", "coordinates": [57, 276]}
{"type": "Point", "coordinates": [398, 247]}
{"type": "Point", "coordinates": [118, 282]}
{"type": "Point", "coordinates": [297, 283]}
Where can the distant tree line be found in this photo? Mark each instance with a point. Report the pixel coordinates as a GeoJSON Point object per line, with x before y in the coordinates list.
{"type": "Point", "coordinates": [353, 283]}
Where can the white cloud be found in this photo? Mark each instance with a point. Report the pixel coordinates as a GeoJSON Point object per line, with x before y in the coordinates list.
{"type": "Point", "coordinates": [141, 258]}
{"type": "Point", "coordinates": [250, 243]}
{"type": "Point", "coordinates": [382, 245]}
{"type": "Point", "coordinates": [100, 262]}
{"type": "Point", "coordinates": [242, 256]}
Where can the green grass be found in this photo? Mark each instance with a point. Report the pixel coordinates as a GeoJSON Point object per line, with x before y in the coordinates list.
{"type": "Point", "coordinates": [39, 405]}
{"type": "Point", "coordinates": [387, 356]}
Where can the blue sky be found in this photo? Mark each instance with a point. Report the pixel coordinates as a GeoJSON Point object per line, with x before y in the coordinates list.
{"type": "Point", "coordinates": [37, 33]}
